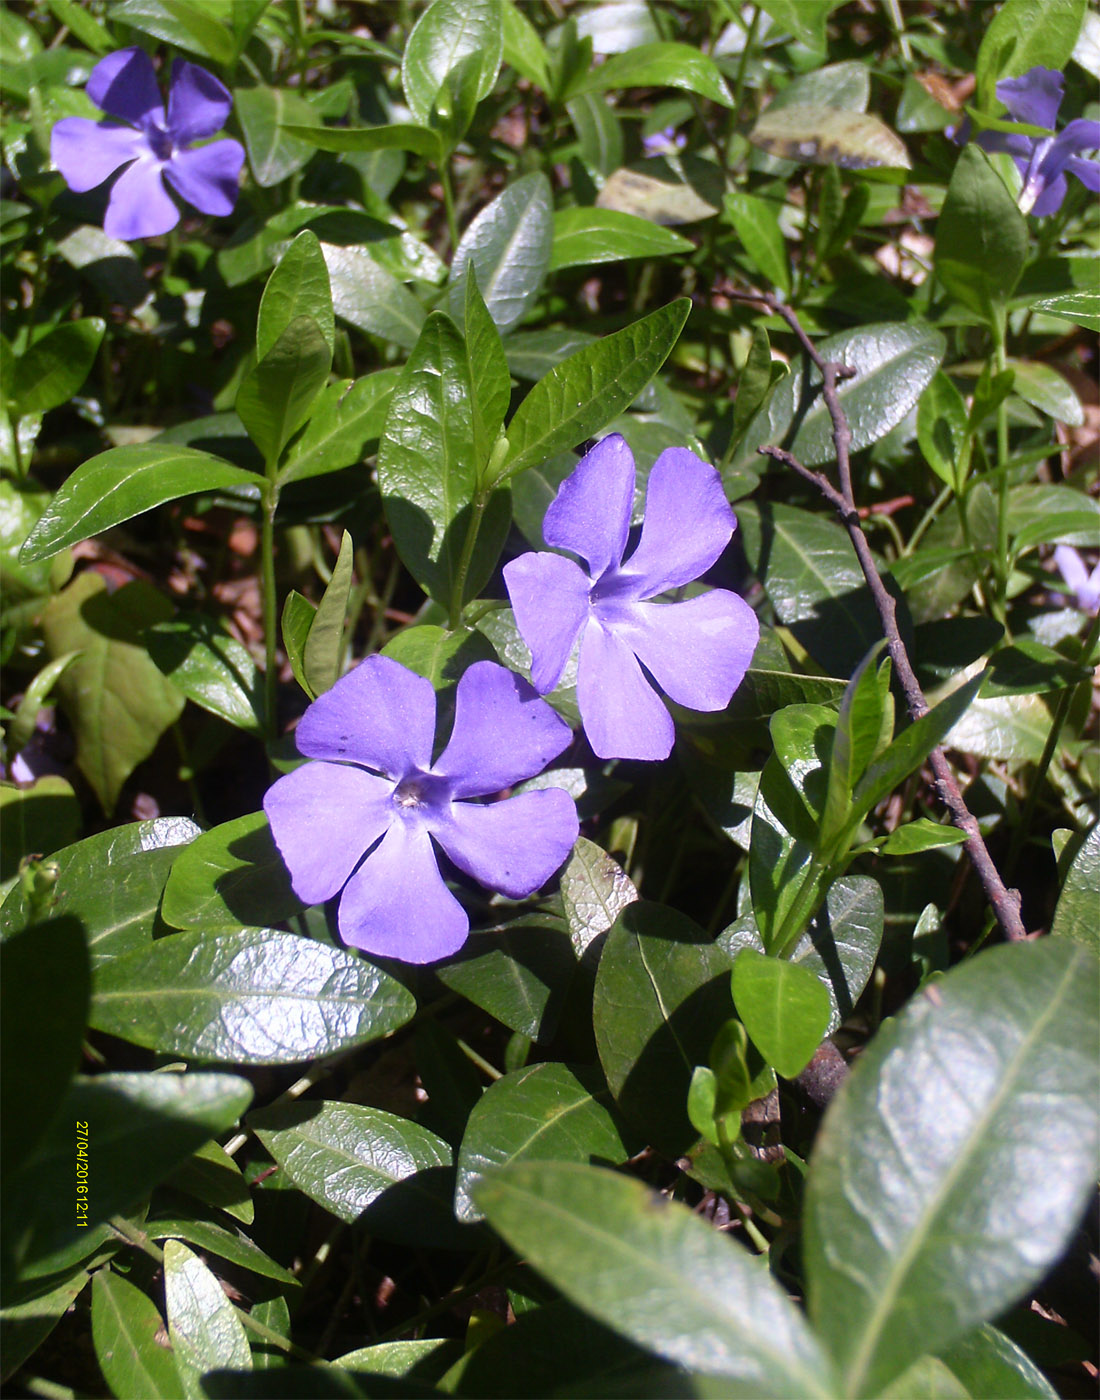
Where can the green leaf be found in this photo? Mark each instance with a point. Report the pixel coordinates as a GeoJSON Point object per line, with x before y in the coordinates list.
{"type": "Point", "coordinates": [363, 1164]}
{"type": "Point", "coordinates": [508, 246]}
{"type": "Point", "coordinates": [1082, 307]}
{"type": "Point", "coordinates": [920, 835]}
{"type": "Point", "coordinates": [51, 371]}
{"type": "Point", "coordinates": [594, 892]}
{"type": "Point", "coordinates": [371, 299]}
{"type": "Point", "coordinates": [1012, 727]}
{"type": "Point", "coordinates": [1075, 914]}
{"type": "Point", "coordinates": [1030, 668]}
{"type": "Point", "coordinates": [519, 972]}
{"type": "Point", "coordinates": [230, 1245]}
{"type": "Point", "coordinates": [783, 870]}
{"type": "Point", "coordinates": [803, 19]}
{"type": "Point", "coordinates": [44, 1003]}
{"type": "Point", "coordinates": [400, 136]}
{"type": "Point", "coordinates": [599, 131]}
{"type": "Point", "coordinates": [246, 996]}
{"type": "Point", "coordinates": [523, 49]}
{"type": "Point", "coordinates": [264, 113]}
{"type": "Point", "coordinates": [117, 701]}
{"type": "Point", "coordinates": [203, 1326]}
{"type": "Point", "coordinates": [661, 988]}
{"type": "Point", "coordinates": [983, 1363]}
{"type": "Point", "coordinates": [586, 391]}
{"type": "Point", "coordinates": [207, 663]}
{"type": "Point", "coordinates": [140, 1127]}
{"type": "Point", "coordinates": [865, 725]}
{"type": "Point", "coordinates": [1045, 389]}
{"type": "Point", "coordinates": [125, 1325]}
{"type": "Point", "coordinates": [756, 223]}
{"type": "Point", "coordinates": [299, 286]}
{"type": "Point", "coordinates": [907, 1192]}
{"type": "Point", "coordinates": [438, 655]}
{"type": "Point", "coordinates": [658, 65]}
{"type": "Point", "coordinates": [448, 32]}
{"type": "Point", "coordinates": [661, 200]}
{"type": "Point", "coordinates": [121, 483]}
{"type": "Point", "coordinates": [810, 134]}
{"type": "Point", "coordinates": [894, 362]}
{"type": "Point", "coordinates": [210, 1175]}
{"type": "Point", "coordinates": [427, 471]}
{"type": "Point", "coordinates": [21, 506]}
{"type": "Point", "coordinates": [39, 1307]}
{"type": "Point", "coordinates": [1024, 34]}
{"type": "Point", "coordinates": [784, 1008]}
{"type": "Point", "coordinates": [233, 874]}
{"type": "Point", "coordinates": [583, 236]}
{"type": "Point", "coordinates": [297, 619]}
{"type": "Point", "coordinates": [943, 431]}
{"type": "Point", "coordinates": [492, 384]}
{"type": "Point", "coordinates": [650, 1269]}
{"type": "Point", "coordinates": [36, 821]}
{"type": "Point", "coordinates": [981, 236]}
{"type": "Point", "coordinates": [545, 1113]}
{"type": "Point", "coordinates": [323, 652]}
{"type": "Point", "coordinates": [82, 25]}
{"type": "Point", "coordinates": [111, 883]}
{"type": "Point", "coordinates": [346, 418]}
{"type": "Point", "coordinates": [277, 394]}
{"type": "Point", "coordinates": [211, 37]}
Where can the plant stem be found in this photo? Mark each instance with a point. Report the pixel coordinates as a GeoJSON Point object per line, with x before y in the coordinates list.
{"type": "Point", "coordinates": [267, 563]}
{"type": "Point", "coordinates": [449, 204]}
{"type": "Point", "coordinates": [458, 595]}
{"type": "Point", "coordinates": [1000, 564]}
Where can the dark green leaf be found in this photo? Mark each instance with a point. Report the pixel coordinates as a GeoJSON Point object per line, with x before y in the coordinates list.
{"type": "Point", "coordinates": [231, 1245]}
{"type": "Point", "coordinates": [784, 1008]}
{"type": "Point", "coordinates": [346, 418]}
{"type": "Point", "coordinates": [233, 874]}
{"type": "Point", "coordinates": [277, 394]}
{"type": "Point", "coordinates": [594, 892]}
{"type": "Point", "coordinates": [297, 619]}
{"type": "Point", "coordinates": [446, 33]}
{"type": "Point", "coordinates": [804, 19]}
{"type": "Point", "coordinates": [583, 236]}
{"type": "Point", "coordinates": [400, 136]}
{"type": "Point", "coordinates": [210, 1175]}
{"type": "Point", "coordinates": [51, 371]}
{"type": "Point", "coordinates": [994, 1069]}
{"type": "Point", "coordinates": [368, 297]}
{"type": "Point", "coordinates": [518, 972]}
{"type": "Point", "coordinates": [756, 222]}
{"type": "Point", "coordinates": [508, 246]}
{"type": "Point", "coordinates": [658, 65]}
{"type": "Point", "coordinates": [491, 385]}
{"type": "Point", "coordinates": [264, 112]}
{"type": "Point", "coordinates": [125, 1324]}
{"type": "Point", "coordinates": [981, 236]}
{"type": "Point", "coordinates": [27, 1322]}
{"type": "Point", "coordinates": [438, 655]}
{"type": "Point", "coordinates": [36, 820]}
{"type": "Point", "coordinates": [207, 663]}
{"type": "Point", "coordinates": [1025, 34]}
{"type": "Point", "coordinates": [920, 835]}
{"type": "Point", "coordinates": [298, 287]}
{"type": "Point", "coordinates": [943, 431]}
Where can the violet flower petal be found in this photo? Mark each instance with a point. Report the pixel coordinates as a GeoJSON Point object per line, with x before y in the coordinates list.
{"type": "Point", "coordinates": [380, 715]}
{"type": "Point", "coordinates": [1049, 198]}
{"type": "Point", "coordinates": [396, 904]}
{"type": "Point", "coordinates": [1087, 171]}
{"type": "Point", "coordinates": [623, 715]}
{"type": "Point", "coordinates": [549, 596]}
{"type": "Point", "coordinates": [139, 206]}
{"type": "Point", "coordinates": [207, 176]}
{"type": "Point", "coordinates": [87, 153]}
{"type": "Point", "coordinates": [512, 846]}
{"type": "Point", "coordinates": [502, 733]}
{"type": "Point", "coordinates": [590, 515]}
{"type": "Point", "coordinates": [198, 104]}
{"type": "Point", "coordinates": [1034, 97]}
{"type": "Point", "coordinates": [1017, 146]}
{"type": "Point", "coordinates": [697, 651]}
{"type": "Point", "coordinates": [324, 816]}
{"type": "Point", "coordinates": [124, 84]}
{"type": "Point", "coordinates": [688, 523]}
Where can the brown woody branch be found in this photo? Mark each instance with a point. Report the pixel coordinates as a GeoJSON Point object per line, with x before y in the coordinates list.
{"type": "Point", "coordinates": [1004, 901]}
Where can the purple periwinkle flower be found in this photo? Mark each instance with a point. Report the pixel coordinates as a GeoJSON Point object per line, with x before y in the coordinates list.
{"type": "Point", "coordinates": [363, 818]}
{"type": "Point", "coordinates": [1084, 586]}
{"type": "Point", "coordinates": [697, 651]}
{"type": "Point", "coordinates": [153, 145]}
{"type": "Point", "coordinates": [1034, 98]}
{"type": "Point", "coordinates": [662, 143]}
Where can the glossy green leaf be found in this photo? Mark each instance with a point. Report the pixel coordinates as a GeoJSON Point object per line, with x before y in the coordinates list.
{"type": "Point", "coordinates": [1025, 34]}
{"type": "Point", "coordinates": [203, 1326]}
{"type": "Point", "coordinates": [983, 1363]}
{"type": "Point", "coordinates": [112, 883]}
{"type": "Point", "coordinates": [804, 19]}
{"type": "Point", "coordinates": [36, 820]}
{"type": "Point", "coordinates": [599, 131]}
{"type": "Point", "coordinates": [784, 1008]}
{"type": "Point", "coordinates": [205, 32]}
{"type": "Point", "coordinates": [809, 134]}
{"type": "Point", "coordinates": [908, 1245]}
{"type": "Point", "coordinates": [491, 385]}
{"type": "Point", "coordinates": [82, 25]}
{"type": "Point", "coordinates": [1045, 389]}
{"type": "Point", "coordinates": [276, 395]}
{"type": "Point", "coordinates": [346, 418]}
{"type": "Point", "coordinates": [585, 392]}
{"type": "Point", "coordinates": [785, 878]}
{"type": "Point", "coordinates": [323, 653]}
{"type": "Point", "coordinates": [210, 1175]}
{"type": "Point", "coordinates": [661, 988]}
{"type": "Point", "coordinates": [264, 113]}
{"type": "Point", "coordinates": [519, 972]}
{"type": "Point", "coordinates": [594, 892]}
{"type": "Point", "coordinates": [1075, 914]}
{"type": "Point", "coordinates": [943, 431]}
{"type": "Point", "coordinates": [523, 49]}
{"type": "Point", "coordinates": [246, 996]}
{"type": "Point", "coordinates": [371, 299]}
{"type": "Point", "coordinates": [658, 65]}
{"type": "Point", "coordinates": [233, 874]}
{"type": "Point", "coordinates": [298, 287]}
{"type": "Point", "coordinates": [438, 655]}
{"type": "Point", "coordinates": [981, 236]}
{"type": "Point", "coordinates": [1012, 727]}
{"type": "Point", "coordinates": [756, 223]}
{"type": "Point", "coordinates": [51, 371]}
{"type": "Point", "coordinates": [351, 1159]}
{"type": "Point", "coordinates": [448, 32]}
{"type": "Point", "coordinates": [865, 725]}
{"type": "Point", "coordinates": [44, 1004]}
{"type": "Point", "coordinates": [1030, 668]}
{"type": "Point", "coordinates": [125, 1325]}
{"type": "Point", "coordinates": [399, 136]}
{"type": "Point", "coordinates": [920, 835]}
{"type": "Point", "coordinates": [1082, 307]}
{"type": "Point", "coordinates": [545, 1113]}
{"type": "Point", "coordinates": [894, 363]}
{"type": "Point", "coordinates": [231, 1245]}
{"type": "Point", "coordinates": [208, 664]}
{"type": "Point", "coordinates": [21, 506]}
{"type": "Point", "coordinates": [583, 236]}
{"type": "Point", "coordinates": [297, 619]}
{"type": "Point", "coordinates": [651, 1270]}
{"type": "Point", "coordinates": [508, 246]}
{"type": "Point", "coordinates": [140, 1127]}
{"type": "Point", "coordinates": [121, 483]}
{"type": "Point", "coordinates": [427, 471]}
{"type": "Point", "coordinates": [117, 701]}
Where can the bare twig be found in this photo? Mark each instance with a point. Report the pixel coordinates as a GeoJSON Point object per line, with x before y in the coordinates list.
{"type": "Point", "coordinates": [1004, 901]}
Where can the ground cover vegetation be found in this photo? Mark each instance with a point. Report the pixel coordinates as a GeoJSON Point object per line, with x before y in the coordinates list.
{"type": "Point", "coordinates": [550, 598]}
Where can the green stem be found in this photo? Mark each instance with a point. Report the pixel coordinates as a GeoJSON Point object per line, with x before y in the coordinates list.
{"type": "Point", "coordinates": [1001, 562]}
{"type": "Point", "coordinates": [801, 911]}
{"type": "Point", "coordinates": [458, 596]}
{"type": "Point", "coordinates": [449, 204]}
{"type": "Point", "coordinates": [267, 563]}
{"type": "Point", "coordinates": [926, 520]}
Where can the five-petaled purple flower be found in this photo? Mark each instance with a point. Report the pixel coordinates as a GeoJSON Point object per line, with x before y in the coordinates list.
{"type": "Point", "coordinates": [697, 651]}
{"type": "Point", "coordinates": [1085, 586]}
{"type": "Point", "coordinates": [153, 144]}
{"type": "Point", "coordinates": [363, 818]}
{"type": "Point", "coordinates": [1035, 98]}
{"type": "Point", "coordinates": [664, 142]}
